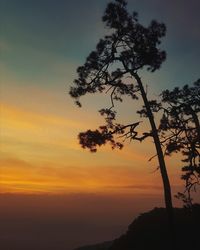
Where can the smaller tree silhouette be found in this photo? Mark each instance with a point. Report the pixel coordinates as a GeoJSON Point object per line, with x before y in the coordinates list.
{"type": "Point", "coordinates": [180, 129]}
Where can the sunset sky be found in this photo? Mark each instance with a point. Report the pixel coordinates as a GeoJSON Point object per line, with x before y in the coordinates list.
{"type": "Point", "coordinates": [42, 42]}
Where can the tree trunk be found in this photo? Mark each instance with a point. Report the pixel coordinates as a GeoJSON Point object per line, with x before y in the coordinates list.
{"type": "Point", "coordinates": [163, 170]}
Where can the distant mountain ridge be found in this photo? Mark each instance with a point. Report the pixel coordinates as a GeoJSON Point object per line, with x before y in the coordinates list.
{"type": "Point", "coordinates": [101, 246]}
{"type": "Point", "coordinates": [149, 231]}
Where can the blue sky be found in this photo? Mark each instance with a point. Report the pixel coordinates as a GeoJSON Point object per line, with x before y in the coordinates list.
{"type": "Point", "coordinates": [40, 32]}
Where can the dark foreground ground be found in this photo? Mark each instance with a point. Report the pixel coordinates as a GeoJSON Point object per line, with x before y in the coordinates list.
{"type": "Point", "coordinates": [149, 231]}
{"type": "Point", "coordinates": [65, 222]}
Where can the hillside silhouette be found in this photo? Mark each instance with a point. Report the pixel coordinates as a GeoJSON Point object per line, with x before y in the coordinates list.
{"type": "Point", "coordinates": [149, 230]}
{"type": "Point", "coordinates": [101, 246]}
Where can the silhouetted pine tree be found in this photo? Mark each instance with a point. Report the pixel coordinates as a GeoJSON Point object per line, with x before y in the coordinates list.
{"type": "Point", "coordinates": [129, 48]}
{"type": "Point", "coordinates": [180, 131]}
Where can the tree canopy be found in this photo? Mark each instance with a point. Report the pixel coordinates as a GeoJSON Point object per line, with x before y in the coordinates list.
{"type": "Point", "coordinates": [180, 130]}
{"type": "Point", "coordinates": [129, 48]}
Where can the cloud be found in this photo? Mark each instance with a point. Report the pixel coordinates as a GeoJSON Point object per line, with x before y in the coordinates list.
{"type": "Point", "coordinates": [21, 176]}
{"type": "Point", "coordinates": [157, 187]}
{"type": "Point", "coordinates": [25, 128]}
{"type": "Point", "coordinates": [30, 119]}
{"type": "Point", "coordinates": [41, 154]}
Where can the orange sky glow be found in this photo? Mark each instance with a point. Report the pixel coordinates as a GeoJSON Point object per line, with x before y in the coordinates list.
{"type": "Point", "coordinates": [39, 122]}
{"type": "Point", "coordinates": [41, 154]}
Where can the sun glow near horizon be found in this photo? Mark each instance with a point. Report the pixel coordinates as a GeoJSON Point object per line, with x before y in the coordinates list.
{"type": "Point", "coordinates": [40, 153]}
